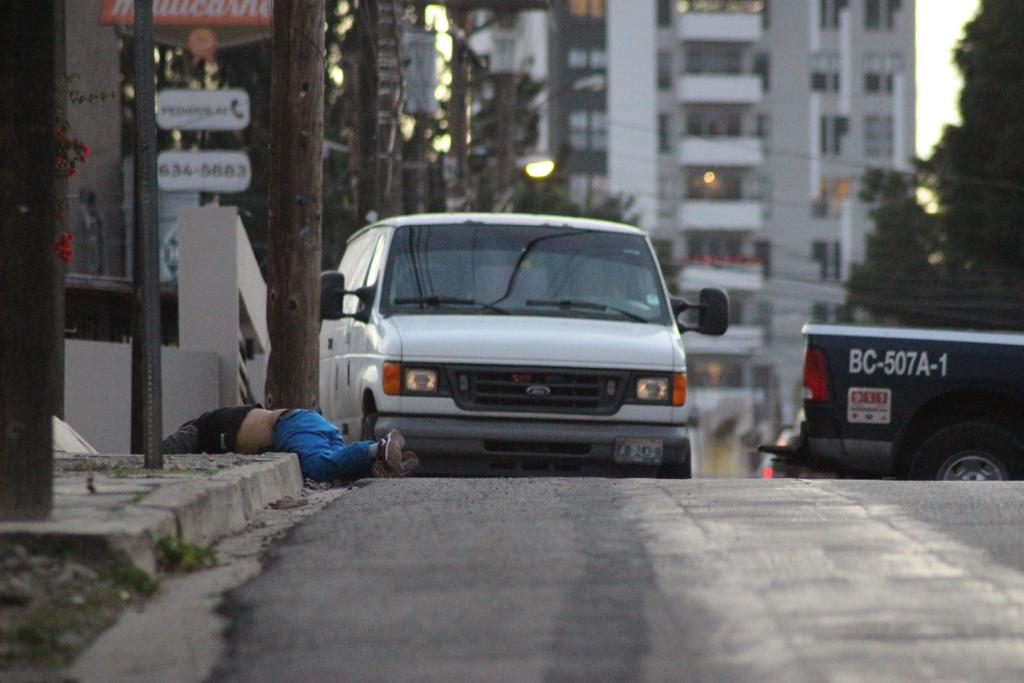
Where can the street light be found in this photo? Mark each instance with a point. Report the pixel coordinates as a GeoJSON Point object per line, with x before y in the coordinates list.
{"type": "Point", "coordinates": [539, 168]}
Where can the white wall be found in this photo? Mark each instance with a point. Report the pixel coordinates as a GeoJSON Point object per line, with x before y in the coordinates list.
{"type": "Point", "coordinates": [97, 390]}
{"type": "Point", "coordinates": [632, 104]}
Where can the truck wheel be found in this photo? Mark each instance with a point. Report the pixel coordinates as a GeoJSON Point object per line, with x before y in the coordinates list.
{"type": "Point", "coordinates": [675, 470]}
{"type": "Point", "coordinates": [367, 426]}
{"type": "Point", "coordinates": [971, 451]}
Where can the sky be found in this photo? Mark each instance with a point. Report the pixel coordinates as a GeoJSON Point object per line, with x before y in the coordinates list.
{"type": "Point", "coordinates": [939, 26]}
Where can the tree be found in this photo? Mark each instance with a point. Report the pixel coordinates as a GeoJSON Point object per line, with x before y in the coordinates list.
{"type": "Point", "coordinates": [902, 254]}
{"type": "Point", "coordinates": [961, 266]}
{"type": "Point", "coordinates": [978, 165]}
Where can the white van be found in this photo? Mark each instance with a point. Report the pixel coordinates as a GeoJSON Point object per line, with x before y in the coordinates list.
{"type": "Point", "coordinates": [505, 344]}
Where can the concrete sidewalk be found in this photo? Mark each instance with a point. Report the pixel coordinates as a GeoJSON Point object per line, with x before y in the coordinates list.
{"type": "Point", "coordinates": [114, 501]}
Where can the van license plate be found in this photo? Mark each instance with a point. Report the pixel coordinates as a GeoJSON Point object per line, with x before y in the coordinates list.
{"type": "Point", "coordinates": [638, 451]}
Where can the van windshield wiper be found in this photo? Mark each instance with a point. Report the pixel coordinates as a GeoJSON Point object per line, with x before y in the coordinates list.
{"type": "Point", "coordinates": [435, 300]}
{"type": "Point", "coordinates": [591, 305]}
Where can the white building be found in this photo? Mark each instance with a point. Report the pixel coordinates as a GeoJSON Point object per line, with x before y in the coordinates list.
{"type": "Point", "coordinates": [743, 128]}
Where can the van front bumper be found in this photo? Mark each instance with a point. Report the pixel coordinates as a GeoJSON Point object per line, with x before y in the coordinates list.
{"type": "Point", "coordinates": [503, 447]}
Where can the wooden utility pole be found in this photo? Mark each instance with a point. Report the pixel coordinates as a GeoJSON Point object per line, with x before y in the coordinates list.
{"type": "Point", "coordinates": [147, 414]}
{"type": "Point", "coordinates": [389, 108]}
{"type": "Point", "coordinates": [361, 108]}
{"type": "Point", "coordinates": [417, 176]}
{"type": "Point", "coordinates": [503, 68]}
{"type": "Point", "coordinates": [28, 265]}
{"type": "Point", "coordinates": [457, 162]}
{"type": "Point", "coordinates": [296, 211]}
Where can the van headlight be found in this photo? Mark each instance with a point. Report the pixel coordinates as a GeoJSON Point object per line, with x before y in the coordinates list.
{"type": "Point", "coordinates": [652, 389]}
{"type": "Point", "coordinates": [421, 380]}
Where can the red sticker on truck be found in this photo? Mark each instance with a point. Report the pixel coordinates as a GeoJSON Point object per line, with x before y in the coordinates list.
{"type": "Point", "coordinates": [869, 405]}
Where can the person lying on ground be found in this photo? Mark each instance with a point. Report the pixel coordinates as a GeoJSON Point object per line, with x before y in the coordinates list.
{"type": "Point", "coordinates": [323, 454]}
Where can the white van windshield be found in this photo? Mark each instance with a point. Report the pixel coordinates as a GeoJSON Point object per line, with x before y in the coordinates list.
{"type": "Point", "coordinates": [523, 270]}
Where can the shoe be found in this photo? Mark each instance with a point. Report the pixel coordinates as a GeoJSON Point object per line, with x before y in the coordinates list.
{"type": "Point", "coordinates": [390, 460]}
{"type": "Point", "coordinates": [409, 463]}
{"type": "Point", "coordinates": [389, 450]}
{"type": "Point", "coordinates": [184, 440]}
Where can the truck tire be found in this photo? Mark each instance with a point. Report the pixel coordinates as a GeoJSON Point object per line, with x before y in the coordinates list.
{"type": "Point", "coordinates": [969, 451]}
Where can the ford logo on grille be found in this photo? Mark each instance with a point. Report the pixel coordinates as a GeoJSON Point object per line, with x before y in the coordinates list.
{"type": "Point", "coordinates": [538, 390]}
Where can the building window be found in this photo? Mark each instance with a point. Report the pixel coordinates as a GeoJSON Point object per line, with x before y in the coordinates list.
{"type": "Point", "coordinates": [720, 6]}
{"type": "Point", "coordinates": [598, 58]}
{"type": "Point", "coordinates": [593, 9]}
{"type": "Point", "coordinates": [709, 122]}
{"type": "Point", "coordinates": [706, 248]}
{"type": "Point", "coordinates": [877, 136]}
{"type": "Point", "coordinates": [719, 184]}
{"type": "Point", "coordinates": [879, 71]}
{"type": "Point", "coordinates": [826, 253]}
{"type": "Point", "coordinates": [714, 59]}
{"type": "Point", "coordinates": [831, 193]}
{"type": "Point", "coordinates": [664, 70]}
{"type": "Point", "coordinates": [880, 15]}
{"type": "Point", "coordinates": [825, 71]}
{"type": "Point", "coordinates": [829, 11]}
{"type": "Point", "coordinates": [664, 13]}
{"type": "Point", "coordinates": [831, 133]}
{"type": "Point", "coordinates": [664, 133]}
{"type": "Point", "coordinates": [577, 58]}
{"type": "Point", "coordinates": [762, 67]}
{"type": "Point", "coordinates": [579, 136]}
{"type": "Point", "coordinates": [588, 130]}
{"type": "Point", "coordinates": [764, 126]}
{"type": "Point", "coordinates": [763, 253]}
{"type": "Point", "coordinates": [598, 130]}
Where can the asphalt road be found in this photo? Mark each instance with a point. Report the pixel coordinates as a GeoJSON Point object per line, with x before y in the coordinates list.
{"type": "Point", "coordinates": [641, 580]}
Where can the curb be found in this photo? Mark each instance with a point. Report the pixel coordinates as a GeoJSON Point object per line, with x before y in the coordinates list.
{"type": "Point", "coordinates": [197, 510]}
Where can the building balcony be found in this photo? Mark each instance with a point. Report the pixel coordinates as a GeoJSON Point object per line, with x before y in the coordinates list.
{"type": "Point", "coordinates": [720, 27]}
{"type": "Point", "coordinates": [721, 151]}
{"type": "Point", "coordinates": [737, 275]}
{"type": "Point", "coordinates": [720, 214]}
{"type": "Point", "coordinates": [741, 340]}
{"type": "Point", "coordinates": [719, 88]}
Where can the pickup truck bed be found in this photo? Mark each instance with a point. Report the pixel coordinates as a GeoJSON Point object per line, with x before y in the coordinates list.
{"type": "Point", "coordinates": [911, 403]}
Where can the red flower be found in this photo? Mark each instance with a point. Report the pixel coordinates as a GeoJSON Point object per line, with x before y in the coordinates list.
{"type": "Point", "coordinates": [62, 246]}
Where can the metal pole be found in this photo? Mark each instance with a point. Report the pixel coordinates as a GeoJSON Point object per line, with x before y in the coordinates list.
{"type": "Point", "coordinates": [146, 408]}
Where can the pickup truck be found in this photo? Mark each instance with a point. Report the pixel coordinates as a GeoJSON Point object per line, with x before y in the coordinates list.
{"type": "Point", "coordinates": [910, 404]}
{"type": "Point", "coordinates": [510, 344]}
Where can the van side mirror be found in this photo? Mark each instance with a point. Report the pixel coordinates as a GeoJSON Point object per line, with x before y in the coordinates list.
{"type": "Point", "coordinates": [712, 312]}
{"type": "Point", "coordinates": [365, 296]}
{"type": "Point", "coordinates": [332, 292]}
{"type": "Point", "coordinates": [332, 298]}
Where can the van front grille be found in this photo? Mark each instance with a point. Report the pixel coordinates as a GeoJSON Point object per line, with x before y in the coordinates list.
{"type": "Point", "coordinates": [539, 390]}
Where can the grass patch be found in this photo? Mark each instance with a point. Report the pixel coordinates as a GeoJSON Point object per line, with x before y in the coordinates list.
{"type": "Point", "coordinates": [173, 555]}
{"type": "Point", "coordinates": [67, 591]}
